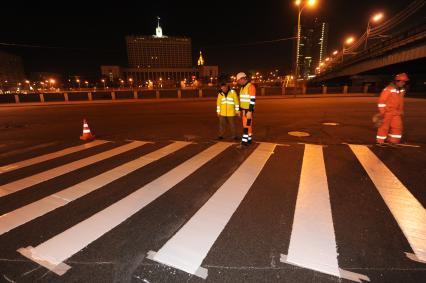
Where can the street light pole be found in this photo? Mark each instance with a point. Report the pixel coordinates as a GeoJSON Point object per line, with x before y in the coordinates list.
{"type": "Point", "coordinates": [348, 41]}
{"type": "Point", "coordinates": [376, 18]}
{"type": "Point", "coordinates": [367, 34]}
{"type": "Point", "coordinates": [301, 8]}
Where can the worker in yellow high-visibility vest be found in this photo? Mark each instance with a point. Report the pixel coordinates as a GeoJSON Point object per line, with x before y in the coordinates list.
{"type": "Point", "coordinates": [247, 103]}
{"type": "Point", "coordinates": [227, 107]}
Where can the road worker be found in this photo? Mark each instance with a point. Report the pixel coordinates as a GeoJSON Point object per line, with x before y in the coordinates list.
{"type": "Point", "coordinates": [247, 103]}
{"type": "Point", "coordinates": [391, 107]}
{"type": "Point", "coordinates": [227, 107]}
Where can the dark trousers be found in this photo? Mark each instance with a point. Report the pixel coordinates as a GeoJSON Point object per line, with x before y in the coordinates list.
{"type": "Point", "coordinates": [223, 120]}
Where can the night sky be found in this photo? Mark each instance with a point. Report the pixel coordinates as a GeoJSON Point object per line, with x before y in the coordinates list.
{"type": "Point", "coordinates": [81, 36]}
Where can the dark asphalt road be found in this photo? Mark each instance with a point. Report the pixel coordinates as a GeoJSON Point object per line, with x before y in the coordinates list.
{"type": "Point", "coordinates": [197, 120]}
{"type": "Point", "coordinates": [369, 240]}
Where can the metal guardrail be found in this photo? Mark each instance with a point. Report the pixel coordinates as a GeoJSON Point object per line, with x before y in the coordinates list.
{"type": "Point", "coordinates": [165, 93]}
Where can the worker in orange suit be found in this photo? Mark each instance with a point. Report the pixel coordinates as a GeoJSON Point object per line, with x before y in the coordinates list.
{"type": "Point", "coordinates": [247, 103]}
{"type": "Point", "coordinates": [391, 107]}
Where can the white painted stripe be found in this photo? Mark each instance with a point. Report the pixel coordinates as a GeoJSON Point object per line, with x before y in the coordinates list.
{"type": "Point", "coordinates": [54, 251]}
{"type": "Point", "coordinates": [313, 242]}
{"type": "Point", "coordinates": [405, 208]}
{"type": "Point", "coordinates": [49, 156]}
{"type": "Point", "coordinates": [22, 215]}
{"type": "Point", "coordinates": [27, 182]}
{"type": "Point", "coordinates": [189, 246]}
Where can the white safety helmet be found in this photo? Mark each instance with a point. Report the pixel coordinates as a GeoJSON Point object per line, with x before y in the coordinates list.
{"type": "Point", "coordinates": [241, 75]}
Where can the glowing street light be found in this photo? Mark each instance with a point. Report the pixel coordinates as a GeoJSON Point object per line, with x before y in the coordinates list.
{"type": "Point", "coordinates": [52, 82]}
{"type": "Point", "coordinates": [103, 81]}
{"type": "Point", "coordinates": [301, 6]}
{"type": "Point", "coordinates": [78, 81]}
{"type": "Point", "coordinates": [87, 84]}
{"type": "Point", "coordinates": [335, 52]}
{"type": "Point", "coordinates": [376, 18]}
{"type": "Point", "coordinates": [348, 41]}
{"type": "Point", "coordinates": [131, 82]}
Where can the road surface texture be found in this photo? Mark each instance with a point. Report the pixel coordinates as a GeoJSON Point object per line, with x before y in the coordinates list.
{"type": "Point", "coordinates": [156, 198]}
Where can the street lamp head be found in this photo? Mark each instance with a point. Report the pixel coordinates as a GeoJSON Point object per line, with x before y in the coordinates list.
{"type": "Point", "coordinates": [350, 40]}
{"type": "Point", "coordinates": [298, 2]}
{"type": "Point", "coordinates": [312, 2]}
{"type": "Point", "coordinates": [377, 17]}
{"type": "Point", "coordinates": [103, 80]}
{"type": "Point", "coordinates": [335, 52]}
{"type": "Point", "coordinates": [327, 59]}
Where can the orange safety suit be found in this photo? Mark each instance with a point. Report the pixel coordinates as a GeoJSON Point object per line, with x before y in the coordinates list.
{"type": "Point", "coordinates": [247, 103]}
{"type": "Point", "coordinates": [391, 106]}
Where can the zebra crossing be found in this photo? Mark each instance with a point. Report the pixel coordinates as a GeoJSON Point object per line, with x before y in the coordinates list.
{"type": "Point", "coordinates": [313, 243]}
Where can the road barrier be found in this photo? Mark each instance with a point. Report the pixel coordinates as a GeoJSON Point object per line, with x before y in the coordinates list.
{"type": "Point", "coordinates": [138, 94]}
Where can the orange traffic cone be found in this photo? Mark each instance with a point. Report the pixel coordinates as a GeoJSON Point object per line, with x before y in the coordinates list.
{"type": "Point", "coordinates": [87, 135]}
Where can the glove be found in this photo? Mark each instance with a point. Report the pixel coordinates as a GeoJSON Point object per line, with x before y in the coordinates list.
{"type": "Point", "coordinates": [377, 120]}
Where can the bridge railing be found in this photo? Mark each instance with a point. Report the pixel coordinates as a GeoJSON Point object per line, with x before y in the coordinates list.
{"type": "Point", "coordinates": [415, 34]}
{"type": "Point", "coordinates": [72, 96]}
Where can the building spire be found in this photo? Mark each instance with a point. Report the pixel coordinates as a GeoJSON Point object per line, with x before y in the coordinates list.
{"type": "Point", "coordinates": [201, 60]}
{"type": "Point", "coordinates": [158, 30]}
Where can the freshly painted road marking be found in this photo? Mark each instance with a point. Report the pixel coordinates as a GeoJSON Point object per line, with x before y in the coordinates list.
{"type": "Point", "coordinates": [49, 156]}
{"type": "Point", "coordinates": [312, 242]}
{"type": "Point", "coordinates": [29, 212]}
{"type": "Point", "coordinates": [408, 212]}
{"type": "Point", "coordinates": [189, 246]}
{"type": "Point", "coordinates": [24, 183]}
{"type": "Point", "coordinates": [54, 251]}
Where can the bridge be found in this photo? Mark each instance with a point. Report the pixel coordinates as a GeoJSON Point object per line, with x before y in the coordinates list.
{"type": "Point", "coordinates": [404, 43]}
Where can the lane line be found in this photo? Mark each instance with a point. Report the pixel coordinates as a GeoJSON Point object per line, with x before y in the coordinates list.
{"type": "Point", "coordinates": [27, 182]}
{"type": "Point", "coordinates": [190, 245]}
{"type": "Point", "coordinates": [29, 212]}
{"type": "Point", "coordinates": [49, 156]}
{"type": "Point", "coordinates": [54, 251]}
{"type": "Point", "coordinates": [313, 243]}
{"type": "Point", "coordinates": [408, 212]}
